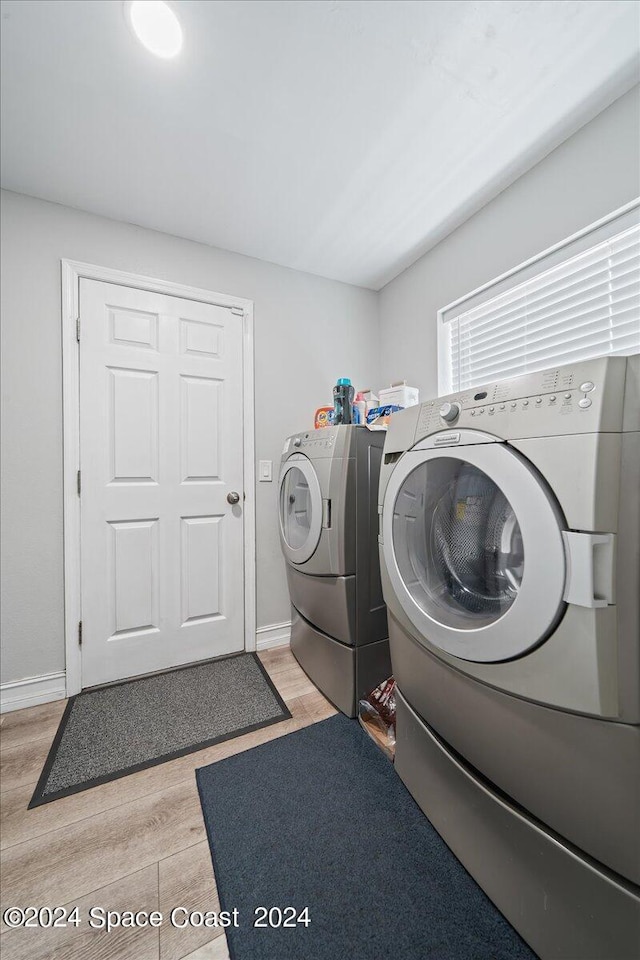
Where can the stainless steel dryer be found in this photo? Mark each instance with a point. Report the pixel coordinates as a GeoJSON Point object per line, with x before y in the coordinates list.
{"type": "Point", "coordinates": [510, 541]}
{"type": "Point", "coordinates": [328, 532]}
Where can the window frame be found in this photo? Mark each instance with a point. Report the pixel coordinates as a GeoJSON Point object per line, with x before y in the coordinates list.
{"type": "Point", "coordinates": [579, 242]}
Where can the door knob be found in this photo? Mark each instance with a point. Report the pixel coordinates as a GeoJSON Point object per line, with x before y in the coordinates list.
{"type": "Point", "coordinates": [233, 497]}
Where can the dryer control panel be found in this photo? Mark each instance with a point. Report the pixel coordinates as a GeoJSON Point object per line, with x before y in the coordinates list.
{"type": "Point", "coordinates": [311, 441]}
{"type": "Point", "coordinates": [325, 442]}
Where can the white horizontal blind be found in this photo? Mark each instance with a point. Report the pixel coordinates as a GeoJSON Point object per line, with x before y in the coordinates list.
{"type": "Point", "coordinates": [583, 307]}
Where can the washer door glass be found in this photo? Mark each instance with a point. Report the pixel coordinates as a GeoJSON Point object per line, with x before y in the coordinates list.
{"type": "Point", "coordinates": [297, 509]}
{"type": "Point", "coordinates": [472, 545]}
{"type": "Point", "coordinates": [458, 544]}
{"type": "Point", "coordinates": [300, 509]}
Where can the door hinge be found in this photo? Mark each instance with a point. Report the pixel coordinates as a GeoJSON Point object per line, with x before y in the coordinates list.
{"type": "Point", "coordinates": [79, 633]}
{"type": "Point", "coordinates": [79, 482]}
{"type": "Point", "coordinates": [78, 329]}
{"type": "Point", "coordinates": [239, 312]}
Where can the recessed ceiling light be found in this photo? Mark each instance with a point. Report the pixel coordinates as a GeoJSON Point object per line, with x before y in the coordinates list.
{"type": "Point", "coordinates": [156, 27]}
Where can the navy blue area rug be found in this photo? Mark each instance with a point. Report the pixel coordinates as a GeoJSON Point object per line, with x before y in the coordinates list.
{"type": "Point", "coordinates": [319, 819]}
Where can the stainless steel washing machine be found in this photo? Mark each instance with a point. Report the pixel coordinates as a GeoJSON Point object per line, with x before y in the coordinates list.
{"type": "Point", "coordinates": [328, 532]}
{"type": "Point", "coordinates": [510, 540]}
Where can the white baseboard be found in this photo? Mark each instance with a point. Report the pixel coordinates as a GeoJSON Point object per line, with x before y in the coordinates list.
{"type": "Point", "coordinates": [273, 635]}
{"type": "Point", "coordinates": [33, 690]}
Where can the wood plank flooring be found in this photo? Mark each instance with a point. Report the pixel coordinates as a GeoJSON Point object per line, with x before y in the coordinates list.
{"type": "Point", "coordinates": [137, 843]}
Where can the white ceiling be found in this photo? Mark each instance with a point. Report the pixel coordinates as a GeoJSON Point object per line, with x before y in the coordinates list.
{"type": "Point", "coordinates": [341, 138]}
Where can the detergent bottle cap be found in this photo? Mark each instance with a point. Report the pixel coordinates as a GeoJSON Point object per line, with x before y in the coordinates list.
{"type": "Point", "coordinates": [344, 382]}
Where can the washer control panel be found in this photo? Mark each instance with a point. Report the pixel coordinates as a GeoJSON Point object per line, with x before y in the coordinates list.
{"type": "Point", "coordinates": [433, 413]}
{"type": "Point", "coordinates": [533, 404]}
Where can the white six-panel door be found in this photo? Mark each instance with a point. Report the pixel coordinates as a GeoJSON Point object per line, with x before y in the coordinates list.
{"type": "Point", "coordinates": [160, 449]}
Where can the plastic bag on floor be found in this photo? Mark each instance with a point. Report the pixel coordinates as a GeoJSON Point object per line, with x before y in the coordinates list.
{"type": "Point", "coordinates": [377, 715]}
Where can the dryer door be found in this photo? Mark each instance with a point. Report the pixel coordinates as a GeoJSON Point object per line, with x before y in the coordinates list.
{"type": "Point", "coordinates": [473, 547]}
{"type": "Point", "coordinates": [300, 509]}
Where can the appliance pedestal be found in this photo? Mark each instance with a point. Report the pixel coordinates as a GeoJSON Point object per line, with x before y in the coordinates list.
{"type": "Point", "coordinates": [561, 902]}
{"type": "Point", "coordinates": [343, 673]}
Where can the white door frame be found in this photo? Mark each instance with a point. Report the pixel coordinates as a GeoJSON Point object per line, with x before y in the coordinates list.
{"type": "Point", "coordinates": [72, 272]}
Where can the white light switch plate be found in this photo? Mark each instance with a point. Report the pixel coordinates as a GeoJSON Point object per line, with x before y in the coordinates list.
{"type": "Point", "coordinates": [264, 471]}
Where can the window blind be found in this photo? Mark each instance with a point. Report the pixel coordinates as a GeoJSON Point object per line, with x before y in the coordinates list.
{"type": "Point", "coordinates": [585, 306]}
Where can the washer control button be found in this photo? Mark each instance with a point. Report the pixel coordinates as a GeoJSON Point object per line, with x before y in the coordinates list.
{"type": "Point", "coordinates": [525, 403]}
{"type": "Point", "coordinates": [514, 404]}
{"type": "Point", "coordinates": [567, 396]}
{"type": "Point", "coordinates": [587, 386]}
{"type": "Point", "coordinates": [502, 406]}
{"type": "Point", "coordinates": [584, 403]}
{"type": "Point", "coordinates": [450, 411]}
{"type": "Point", "coordinates": [552, 398]}
{"type": "Point", "coordinates": [473, 413]}
{"type": "Point", "coordinates": [297, 442]}
{"type": "Point", "coordinates": [491, 409]}
{"type": "Point", "coordinates": [539, 400]}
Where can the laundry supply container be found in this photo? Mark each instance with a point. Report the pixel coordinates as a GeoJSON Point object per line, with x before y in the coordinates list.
{"type": "Point", "coordinates": [400, 394]}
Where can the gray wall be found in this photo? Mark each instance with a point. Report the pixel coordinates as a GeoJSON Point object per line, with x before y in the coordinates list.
{"type": "Point", "coordinates": [589, 175]}
{"type": "Point", "coordinates": [308, 332]}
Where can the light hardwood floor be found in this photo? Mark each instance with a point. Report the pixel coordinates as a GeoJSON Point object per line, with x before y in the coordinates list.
{"type": "Point", "coordinates": [137, 843]}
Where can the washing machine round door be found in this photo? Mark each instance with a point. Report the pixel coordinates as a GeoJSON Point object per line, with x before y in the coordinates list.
{"type": "Point", "coordinates": [300, 509]}
{"type": "Point", "coordinates": [472, 541]}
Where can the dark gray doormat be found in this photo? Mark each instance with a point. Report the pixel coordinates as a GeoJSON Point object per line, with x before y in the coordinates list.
{"type": "Point", "coordinates": [108, 732]}
{"type": "Point", "coordinates": [334, 829]}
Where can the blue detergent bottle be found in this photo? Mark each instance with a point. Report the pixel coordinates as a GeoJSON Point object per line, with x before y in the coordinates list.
{"type": "Point", "coordinates": [343, 394]}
